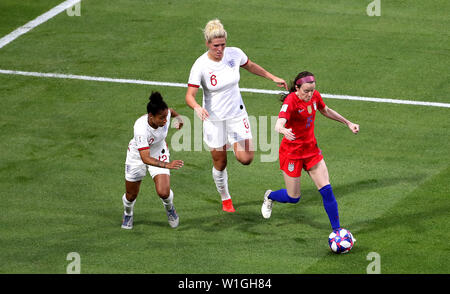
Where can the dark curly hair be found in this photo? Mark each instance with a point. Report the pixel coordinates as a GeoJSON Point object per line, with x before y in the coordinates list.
{"type": "Point", "coordinates": [156, 103]}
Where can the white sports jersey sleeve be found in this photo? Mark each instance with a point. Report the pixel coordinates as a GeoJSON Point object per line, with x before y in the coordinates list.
{"type": "Point", "coordinates": [141, 134]}
{"type": "Point", "coordinates": [242, 56]}
{"type": "Point", "coordinates": [195, 76]}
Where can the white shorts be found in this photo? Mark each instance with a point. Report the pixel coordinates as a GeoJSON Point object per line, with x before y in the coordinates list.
{"type": "Point", "coordinates": [135, 169]}
{"type": "Point", "coordinates": [220, 133]}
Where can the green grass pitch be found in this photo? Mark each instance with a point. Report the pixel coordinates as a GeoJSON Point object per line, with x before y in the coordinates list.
{"type": "Point", "coordinates": [63, 142]}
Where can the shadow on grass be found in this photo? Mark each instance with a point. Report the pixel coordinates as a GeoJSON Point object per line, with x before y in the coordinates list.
{"type": "Point", "coordinates": [247, 218]}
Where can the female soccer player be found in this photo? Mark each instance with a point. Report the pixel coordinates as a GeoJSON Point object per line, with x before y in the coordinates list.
{"type": "Point", "coordinates": [225, 119]}
{"type": "Point", "coordinates": [299, 150]}
{"type": "Point", "coordinates": [148, 151]}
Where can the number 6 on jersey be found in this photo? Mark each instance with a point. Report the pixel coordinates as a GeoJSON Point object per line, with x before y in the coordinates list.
{"type": "Point", "coordinates": [213, 80]}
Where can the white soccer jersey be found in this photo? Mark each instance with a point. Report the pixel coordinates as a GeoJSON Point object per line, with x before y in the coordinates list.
{"type": "Point", "coordinates": [220, 82]}
{"type": "Point", "coordinates": [146, 137]}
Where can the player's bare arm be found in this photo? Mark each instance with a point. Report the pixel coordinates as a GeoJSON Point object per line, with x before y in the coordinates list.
{"type": "Point", "coordinates": [178, 120]}
{"type": "Point", "coordinates": [147, 159]}
{"type": "Point", "coordinates": [332, 114]}
{"type": "Point", "coordinates": [260, 71]}
{"type": "Point", "coordinates": [279, 127]}
{"type": "Point", "coordinates": [191, 93]}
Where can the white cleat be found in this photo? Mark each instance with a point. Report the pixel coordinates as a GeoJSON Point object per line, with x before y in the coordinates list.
{"type": "Point", "coordinates": [266, 208]}
{"type": "Point", "coordinates": [173, 218]}
{"type": "Point", "coordinates": [127, 222]}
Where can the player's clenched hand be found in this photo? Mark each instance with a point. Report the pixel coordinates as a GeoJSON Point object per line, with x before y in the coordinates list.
{"type": "Point", "coordinates": [176, 164]}
{"type": "Point", "coordinates": [178, 123]}
{"type": "Point", "coordinates": [353, 127]}
{"type": "Point", "coordinates": [201, 113]}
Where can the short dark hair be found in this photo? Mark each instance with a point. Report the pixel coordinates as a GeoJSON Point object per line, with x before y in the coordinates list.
{"type": "Point", "coordinates": [156, 103]}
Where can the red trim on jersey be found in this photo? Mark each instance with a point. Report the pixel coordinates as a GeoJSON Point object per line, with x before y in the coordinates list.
{"type": "Point", "coordinates": [143, 148]}
{"type": "Point", "coordinates": [192, 85]}
{"type": "Point", "coordinates": [246, 62]}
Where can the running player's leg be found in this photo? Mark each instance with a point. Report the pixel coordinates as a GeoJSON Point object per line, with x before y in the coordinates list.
{"type": "Point", "coordinates": [244, 152]}
{"type": "Point", "coordinates": [320, 177]}
{"type": "Point", "coordinates": [161, 178]}
{"type": "Point", "coordinates": [129, 198]}
{"type": "Point", "coordinates": [133, 177]}
{"type": "Point", "coordinates": [239, 135]}
{"type": "Point", "coordinates": [220, 176]}
{"type": "Point", "coordinates": [162, 187]}
{"type": "Point", "coordinates": [292, 169]}
{"type": "Point", "coordinates": [214, 135]}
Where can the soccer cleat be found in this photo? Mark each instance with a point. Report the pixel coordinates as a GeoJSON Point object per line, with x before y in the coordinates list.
{"type": "Point", "coordinates": [227, 205]}
{"type": "Point", "coordinates": [127, 222]}
{"type": "Point", "coordinates": [172, 217]}
{"type": "Point", "coordinates": [266, 208]}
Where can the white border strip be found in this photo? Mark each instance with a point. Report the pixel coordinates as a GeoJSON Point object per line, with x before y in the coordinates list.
{"type": "Point", "coordinates": [183, 85]}
{"type": "Point", "coordinates": [37, 21]}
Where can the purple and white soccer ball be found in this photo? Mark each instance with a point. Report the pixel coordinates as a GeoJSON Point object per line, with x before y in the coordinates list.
{"type": "Point", "coordinates": [341, 241]}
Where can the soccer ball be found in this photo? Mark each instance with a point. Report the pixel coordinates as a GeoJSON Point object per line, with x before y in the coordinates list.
{"type": "Point", "coordinates": [341, 241]}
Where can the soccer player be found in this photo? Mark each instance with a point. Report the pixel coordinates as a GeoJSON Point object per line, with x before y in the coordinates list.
{"type": "Point", "coordinates": [148, 151]}
{"type": "Point", "coordinates": [299, 150]}
{"type": "Point", "coordinates": [224, 116]}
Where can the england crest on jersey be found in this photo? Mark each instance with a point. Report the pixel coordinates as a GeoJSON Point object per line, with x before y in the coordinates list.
{"type": "Point", "coordinates": [291, 167]}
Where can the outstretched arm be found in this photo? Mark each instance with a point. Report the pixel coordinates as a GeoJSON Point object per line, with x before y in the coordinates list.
{"type": "Point", "coordinates": [258, 70]}
{"type": "Point", "coordinates": [332, 114]}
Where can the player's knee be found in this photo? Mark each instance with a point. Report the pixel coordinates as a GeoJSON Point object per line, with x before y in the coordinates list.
{"type": "Point", "coordinates": [220, 165]}
{"type": "Point", "coordinates": [246, 159]}
{"type": "Point", "coordinates": [163, 192]}
{"type": "Point", "coordinates": [131, 196]}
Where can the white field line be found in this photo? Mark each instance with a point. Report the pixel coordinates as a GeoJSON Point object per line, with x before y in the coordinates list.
{"type": "Point", "coordinates": [184, 85]}
{"type": "Point", "coordinates": [37, 21]}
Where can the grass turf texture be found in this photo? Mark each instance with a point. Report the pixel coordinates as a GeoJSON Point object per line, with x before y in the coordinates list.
{"type": "Point", "coordinates": [63, 142]}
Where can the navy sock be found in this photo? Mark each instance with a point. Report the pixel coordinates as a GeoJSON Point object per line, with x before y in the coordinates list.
{"type": "Point", "coordinates": [282, 196]}
{"type": "Point", "coordinates": [330, 205]}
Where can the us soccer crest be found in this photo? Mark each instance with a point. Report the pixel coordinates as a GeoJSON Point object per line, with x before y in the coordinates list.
{"type": "Point", "coordinates": [291, 167]}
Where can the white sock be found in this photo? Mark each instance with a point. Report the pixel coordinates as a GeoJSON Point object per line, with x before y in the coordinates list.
{"type": "Point", "coordinates": [127, 205]}
{"type": "Point", "coordinates": [168, 202]}
{"type": "Point", "coordinates": [221, 180]}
